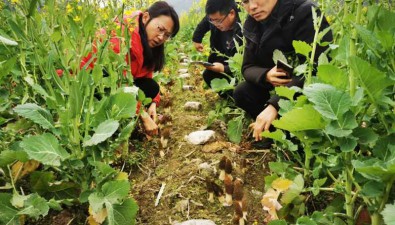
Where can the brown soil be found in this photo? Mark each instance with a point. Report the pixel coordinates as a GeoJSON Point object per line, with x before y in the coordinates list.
{"type": "Point", "coordinates": [177, 167]}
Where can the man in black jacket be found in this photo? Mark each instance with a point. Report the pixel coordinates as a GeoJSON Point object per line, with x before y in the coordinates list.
{"type": "Point", "coordinates": [271, 25]}
{"type": "Point", "coordinates": [222, 20]}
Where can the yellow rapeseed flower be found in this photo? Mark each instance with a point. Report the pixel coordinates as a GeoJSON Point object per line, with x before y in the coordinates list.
{"type": "Point", "coordinates": [69, 8]}
{"type": "Point", "coordinates": [79, 7]}
{"type": "Point", "coordinates": [329, 19]}
{"type": "Point", "coordinates": [105, 16]}
{"type": "Point", "coordinates": [15, 1]}
{"type": "Point", "coordinates": [77, 19]}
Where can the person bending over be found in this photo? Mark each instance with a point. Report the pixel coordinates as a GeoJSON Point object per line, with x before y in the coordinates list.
{"type": "Point", "coordinates": [222, 20]}
{"type": "Point", "coordinates": [271, 25]}
{"type": "Point", "coordinates": [155, 26]}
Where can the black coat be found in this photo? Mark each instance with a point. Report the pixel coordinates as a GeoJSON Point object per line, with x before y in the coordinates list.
{"type": "Point", "coordinates": [290, 20]}
{"type": "Point", "coordinates": [220, 41]}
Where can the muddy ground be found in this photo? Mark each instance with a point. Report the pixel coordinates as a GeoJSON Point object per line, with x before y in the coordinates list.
{"type": "Point", "coordinates": [182, 167]}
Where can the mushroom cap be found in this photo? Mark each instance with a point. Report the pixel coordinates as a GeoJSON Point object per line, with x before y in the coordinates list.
{"type": "Point", "coordinates": [222, 163]}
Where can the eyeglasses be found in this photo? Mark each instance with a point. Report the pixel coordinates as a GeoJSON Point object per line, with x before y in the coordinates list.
{"type": "Point", "coordinates": [162, 31]}
{"type": "Point", "coordinates": [218, 22]}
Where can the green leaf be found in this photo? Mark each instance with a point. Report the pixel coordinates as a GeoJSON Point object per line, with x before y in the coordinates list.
{"type": "Point", "coordinates": [386, 39]}
{"type": "Point", "coordinates": [123, 106]}
{"type": "Point", "coordinates": [39, 181]}
{"type": "Point", "coordinates": [289, 196]}
{"type": "Point", "coordinates": [343, 52]}
{"type": "Point", "coordinates": [116, 191]}
{"type": "Point", "coordinates": [347, 144]}
{"type": "Point", "coordinates": [301, 69]}
{"type": "Point", "coordinates": [222, 84]}
{"type": "Point", "coordinates": [287, 92]}
{"type": "Point", "coordinates": [36, 114]}
{"type": "Point", "coordinates": [385, 18]}
{"type": "Point", "coordinates": [32, 8]}
{"type": "Point", "coordinates": [89, 24]}
{"type": "Point", "coordinates": [17, 30]}
{"type": "Point", "coordinates": [323, 59]}
{"type": "Point", "coordinates": [373, 189]}
{"type": "Point", "coordinates": [56, 36]}
{"type": "Point", "coordinates": [332, 75]}
{"type": "Point", "coordinates": [371, 79]}
{"type": "Point", "coordinates": [278, 167]}
{"type": "Point", "coordinates": [96, 201]}
{"type": "Point", "coordinates": [279, 55]}
{"type": "Point", "coordinates": [304, 220]}
{"type": "Point", "coordinates": [278, 222]}
{"type": "Point", "coordinates": [40, 90]}
{"type": "Point", "coordinates": [8, 156]}
{"type": "Point", "coordinates": [358, 97]}
{"type": "Point", "coordinates": [125, 213]}
{"type": "Point", "coordinates": [374, 169]}
{"type": "Point", "coordinates": [388, 214]}
{"type": "Point", "coordinates": [235, 128]}
{"type": "Point", "coordinates": [329, 101]}
{"type": "Point", "coordinates": [102, 132]}
{"type": "Point", "coordinates": [342, 127]}
{"type": "Point", "coordinates": [18, 201]}
{"type": "Point", "coordinates": [300, 119]}
{"type": "Point", "coordinates": [44, 148]}
{"type": "Point", "coordinates": [317, 184]}
{"type": "Point", "coordinates": [369, 38]}
{"type": "Point", "coordinates": [365, 135]}
{"type": "Point", "coordinates": [53, 204]}
{"type": "Point", "coordinates": [7, 66]}
{"type": "Point", "coordinates": [35, 206]}
{"type": "Point", "coordinates": [8, 213]}
{"type": "Point", "coordinates": [277, 135]}
{"type": "Point", "coordinates": [97, 74]}
{"type": "Point", "coordinates": [7, 41]}
{"type": "Point", "coordinates": [75, 99]}
{"type": "Point", "coordinates": [127, 131]}
{"type": "Point", "coordinates": [302, 47]}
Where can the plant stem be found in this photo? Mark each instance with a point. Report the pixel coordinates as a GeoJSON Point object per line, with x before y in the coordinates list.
{"type": "Point", "coordinates": [349, 184]}
{"type": "Point", "coordinates": [386, 193]}
{"type": "Point", "coordinates": [314, 44]}
{"type": "Point", "coordinates": [12, 179]}
{"type": "Point", "coordinates": [308, 156]}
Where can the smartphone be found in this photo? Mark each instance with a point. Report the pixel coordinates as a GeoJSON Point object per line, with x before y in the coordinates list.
{"type": "Point", "coordinates": [202, 63]}
{"type": "Point", "coordinates": [286, 67]}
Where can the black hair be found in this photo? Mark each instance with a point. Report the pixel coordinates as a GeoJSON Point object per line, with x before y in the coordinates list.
{"type": "Point", "coordinates": [154, 58]}
{"type": "Point", "coordinates": [221, 6]}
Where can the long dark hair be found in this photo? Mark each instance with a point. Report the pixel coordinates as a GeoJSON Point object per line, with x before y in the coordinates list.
{"type": "Point", "coordinates": [155, 57]}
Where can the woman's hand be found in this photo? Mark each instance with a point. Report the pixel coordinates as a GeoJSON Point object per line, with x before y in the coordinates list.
{"type": "Point", "coordinates": [152, 112]}
{"type": "Point", "coordinates": [150, 127]}
{"type": "Point", "coordinates": [263, 121]}
{"type": "Point", "coordinates": [218, 67]}
{"type": "Point", "coordinates": [277, 77]}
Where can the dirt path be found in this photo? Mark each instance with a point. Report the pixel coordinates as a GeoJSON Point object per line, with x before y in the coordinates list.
{"type": "Point", "coordinates": [182, 168]}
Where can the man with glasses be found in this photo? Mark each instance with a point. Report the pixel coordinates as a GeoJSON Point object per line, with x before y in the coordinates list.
{"type": "Point", "coordinates": [222, 20]}
{"type": "Point", "coordinates": [271, 25]}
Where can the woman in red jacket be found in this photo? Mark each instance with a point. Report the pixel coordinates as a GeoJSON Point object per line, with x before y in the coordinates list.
{"type": "Point", "coordinates": [154, 27]}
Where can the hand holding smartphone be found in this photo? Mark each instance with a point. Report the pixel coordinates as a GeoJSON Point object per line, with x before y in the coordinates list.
{"type": "Point", "coordinates": [202, 63]}
{"type": "Point", "coordinates": [286, 68]}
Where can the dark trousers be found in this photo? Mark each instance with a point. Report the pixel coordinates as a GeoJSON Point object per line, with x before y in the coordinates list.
{"type": "Point", "coordinates": [251, 98]}
{"type": "Point", "coordinates": [148, 86]}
